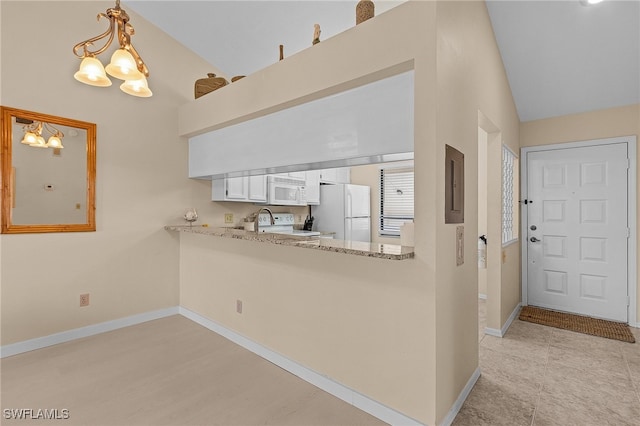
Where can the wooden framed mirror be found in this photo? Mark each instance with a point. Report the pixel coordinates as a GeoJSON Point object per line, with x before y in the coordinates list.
{"type": "Point", "coordinates": [48, 173]}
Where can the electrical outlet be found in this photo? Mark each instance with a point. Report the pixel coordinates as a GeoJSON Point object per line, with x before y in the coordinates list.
{"type": "Point", "coordinates": [84, 299]}
{"type": "Point", "coordinates": [239, 306]}
{"type": "Point", "coordinates": [228, 218]}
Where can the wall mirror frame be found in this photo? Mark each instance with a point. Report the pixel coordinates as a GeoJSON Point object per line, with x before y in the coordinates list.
{"type": "Point", "coordinates": [82, 220]}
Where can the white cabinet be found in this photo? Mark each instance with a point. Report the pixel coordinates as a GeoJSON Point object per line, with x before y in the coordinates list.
{"type": "Point", "coordinates": [299, 175]}
{"type": "Point", "coordinates": [236, 188]}
{"type": "Point", "coordinates": [250, 189]}
{"type": "Point", "coordinates": [312, 178]}
{"type": "Point", "coordinates": [258, 188]}
{"type": "Point", "coordinates": [340, 175]}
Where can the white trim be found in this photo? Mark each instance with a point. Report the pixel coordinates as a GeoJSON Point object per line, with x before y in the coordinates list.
{"type": "Point", "coordinates": [509, 149]}
{"type": "Point", "coordinates": [482, 296]}
{"type": "Point", "coordinates": [632, 272]}
{"type": "Point", "coordinates": [453, 412]}
{"type": "Point", "coordinates": [323, 382]}
{"type": "Point", "coordinates": [78, 333]}
{"type": "Point", "coordinates": [510, 242]}
{"type": "Point", "coordinates": [500, 333]}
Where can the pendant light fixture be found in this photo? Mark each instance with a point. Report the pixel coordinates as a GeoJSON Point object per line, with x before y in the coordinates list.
{"type": "Point", "coordinates": [126, 64]}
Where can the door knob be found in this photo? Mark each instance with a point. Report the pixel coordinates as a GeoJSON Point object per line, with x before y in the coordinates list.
{"type": "Point", "coordinates": [534, 239]}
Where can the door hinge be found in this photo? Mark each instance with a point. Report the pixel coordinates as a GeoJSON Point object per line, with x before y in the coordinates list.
{"type": "Point", "coordinates": [628, 232]}
{"type": "Point", "coordinates": [628, 300]}
{"type": "Point", "coordinates": [628, 163]}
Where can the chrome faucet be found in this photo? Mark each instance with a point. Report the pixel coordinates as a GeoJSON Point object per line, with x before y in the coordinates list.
{"type": "Point", "coordinates": [256, 224]}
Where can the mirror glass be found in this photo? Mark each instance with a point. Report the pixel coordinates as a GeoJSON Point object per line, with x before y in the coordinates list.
{"type": "Point", "coordinates": [48, 173]}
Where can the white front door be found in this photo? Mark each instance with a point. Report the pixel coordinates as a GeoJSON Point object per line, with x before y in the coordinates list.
{"type": "Point", "coordinates": [577, 230]}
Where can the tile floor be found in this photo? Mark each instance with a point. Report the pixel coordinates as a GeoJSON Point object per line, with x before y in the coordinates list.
{"type": "Point", "coordinates": [537, 375]}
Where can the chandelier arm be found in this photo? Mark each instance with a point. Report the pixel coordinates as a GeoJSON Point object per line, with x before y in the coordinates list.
{"type": "Point", "coordinates": [83, 44]}
{"type": "Point", "coordinates": [139, 62]}
{"type": "Point", "coordinates": [124, 37]}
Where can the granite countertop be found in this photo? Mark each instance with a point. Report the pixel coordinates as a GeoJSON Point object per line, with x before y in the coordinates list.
{"type": "Point", "coordinates": [382, 251]}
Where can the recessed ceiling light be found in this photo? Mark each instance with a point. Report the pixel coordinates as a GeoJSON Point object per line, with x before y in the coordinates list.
{"type": "Point", "coordinates": [589, 2]}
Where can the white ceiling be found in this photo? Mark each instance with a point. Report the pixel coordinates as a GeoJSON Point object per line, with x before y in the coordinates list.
{"type": "Point", "coordinates": [240, 37]}
{"type": "Point", "coordinates": [561, 57]}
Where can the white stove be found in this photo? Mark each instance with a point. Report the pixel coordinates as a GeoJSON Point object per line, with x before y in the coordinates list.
{"type": "Point", "coordinates": [283, 224]}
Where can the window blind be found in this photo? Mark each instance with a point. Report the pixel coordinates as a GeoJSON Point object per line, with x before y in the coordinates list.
{"type": "Point", "coordinates": [396, 199]}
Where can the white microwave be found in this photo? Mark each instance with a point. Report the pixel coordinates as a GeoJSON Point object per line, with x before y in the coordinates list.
{"type": "Point", "coordinates": [286, 191]}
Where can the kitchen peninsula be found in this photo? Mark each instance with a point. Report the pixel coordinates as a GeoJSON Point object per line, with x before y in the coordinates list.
{"type": "Point", "coordinates": [377, 250]}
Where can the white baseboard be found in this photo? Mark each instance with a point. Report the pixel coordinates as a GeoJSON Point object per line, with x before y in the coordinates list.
{"type": "Point", "coordinates": [336, 389]}
{"type": "Point", "coordinates": [482, 296]}
{"type": "Point", "coordinates": [634, 324]}
{"type": "Point", "coordinates": [78, 333]}
{"type": "Point", "coordinates": [453, 412]}
{"type": "Point", "coordinates": [500, 333]}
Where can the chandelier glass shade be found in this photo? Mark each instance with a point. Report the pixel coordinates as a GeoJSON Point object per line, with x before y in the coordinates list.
{"type": "Point", "coordinates": [91, 72]}
{"type": "Point", "coordinates": [123, 66]}
{"type": "Point", "coordinates": [126, 64]}
{"type": "Point", "coordinates": [136, 87]}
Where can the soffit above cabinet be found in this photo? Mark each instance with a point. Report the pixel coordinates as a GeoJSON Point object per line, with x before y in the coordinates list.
{"type": "Point", "coordinates": [371, 123]}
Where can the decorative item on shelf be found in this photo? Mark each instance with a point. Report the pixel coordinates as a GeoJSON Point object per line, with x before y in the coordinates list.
{"type": "Point", "coordinates": [209, 84]}
{"type": "Point", "coordinates": [281, 51]}
{"type": "Point", "coordinates": [126, 64]}
{"type": "Point", "coordinates": [33, 134]}
{"type": "Point", "coordinates": [365, 9]}
{"type": "Point", "coordinates": [237, 77]}
{"type": "Point", "coordinates": [190, 215]}
{"type": "Point", "coordinates": [316, 34]}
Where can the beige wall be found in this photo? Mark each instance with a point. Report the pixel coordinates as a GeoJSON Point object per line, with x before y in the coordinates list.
{"type": "Point", "coordinates": [471, 79]}
{"type": "Point", "coordinates": [130, 265]}
{"type": "Point", "coordinates": [622, 121]}
{"type": "Point", "coordinates": [482, 202]}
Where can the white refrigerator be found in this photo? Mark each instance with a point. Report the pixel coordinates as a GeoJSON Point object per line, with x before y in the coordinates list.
{"type": "Point", "coordinates": [346, 210]}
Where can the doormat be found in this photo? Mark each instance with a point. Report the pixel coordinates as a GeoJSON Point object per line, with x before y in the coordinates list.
{"type": "Point", "coordinates": [577, 323]}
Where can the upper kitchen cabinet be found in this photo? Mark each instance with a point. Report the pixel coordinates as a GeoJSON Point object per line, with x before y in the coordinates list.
{"type": "Point", "coordinates": [326, 176]}
{"type": "Point", "coordinates": [251, 189]}
{"type": "Point", "coordinates": [339, 175]}
{"type": "Point", "coordinates": [257, 188]}
{"type": "Point", "coordinates": [298, 175]}
{"type": "Point", "coordinates": [312, 178]}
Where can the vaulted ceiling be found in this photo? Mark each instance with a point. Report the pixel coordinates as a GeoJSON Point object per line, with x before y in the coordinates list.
{"type": "Point", "coordinates": [561, 57]}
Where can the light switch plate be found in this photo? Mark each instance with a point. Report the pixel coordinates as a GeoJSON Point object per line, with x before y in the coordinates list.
{"type": "Point", "coordinates": [459, 245]}
{"type": "Point", "coordinates": [228, 218]}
